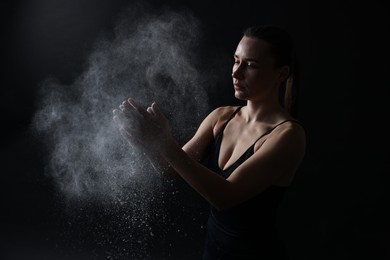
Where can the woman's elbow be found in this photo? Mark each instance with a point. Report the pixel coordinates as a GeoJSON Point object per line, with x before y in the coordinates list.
{"type": "Point", "coordinates": [223, 204]}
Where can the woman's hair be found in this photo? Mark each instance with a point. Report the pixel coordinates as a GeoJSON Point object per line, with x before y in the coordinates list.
{"type": "Point", "coordinates": [282, 49]}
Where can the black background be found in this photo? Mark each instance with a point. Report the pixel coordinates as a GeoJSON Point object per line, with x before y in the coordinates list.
{"type": "Point", "coordinates": [337, 207]}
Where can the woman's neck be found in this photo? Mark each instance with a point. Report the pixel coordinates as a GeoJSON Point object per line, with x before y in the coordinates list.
{"type": "Point", "coordinates": [263, 112]}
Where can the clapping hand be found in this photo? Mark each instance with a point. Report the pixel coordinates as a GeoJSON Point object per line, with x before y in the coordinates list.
{"type": "Point", "coordinates": [147, 129]}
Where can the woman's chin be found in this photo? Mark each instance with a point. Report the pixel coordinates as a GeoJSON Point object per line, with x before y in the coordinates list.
{"type": "Point", "coordinates": [239, 95]}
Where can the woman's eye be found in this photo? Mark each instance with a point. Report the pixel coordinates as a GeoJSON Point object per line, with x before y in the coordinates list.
{"type": "Point", "coordinates": [248, 64]}
{"type": "Point", "coordinates": [251, 65]}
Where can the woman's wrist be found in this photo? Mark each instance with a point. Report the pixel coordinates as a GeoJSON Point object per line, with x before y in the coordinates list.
{"type": "Point", "coordinates": [168, 147]}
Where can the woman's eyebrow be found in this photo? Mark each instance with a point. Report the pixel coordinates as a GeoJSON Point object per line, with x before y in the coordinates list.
{"type": "Point", "coordinates": [247, 59]}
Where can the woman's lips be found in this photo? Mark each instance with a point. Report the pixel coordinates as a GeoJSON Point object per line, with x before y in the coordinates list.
{"type": "Point", "coordinates": [238, 87]}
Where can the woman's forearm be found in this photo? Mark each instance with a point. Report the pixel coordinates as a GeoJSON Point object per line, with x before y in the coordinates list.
{"type": "Point", "coordinates": [162, 166]}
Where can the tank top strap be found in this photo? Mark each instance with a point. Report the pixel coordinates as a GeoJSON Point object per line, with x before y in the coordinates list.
{"type": "Point", "coordinates": [272, 128]}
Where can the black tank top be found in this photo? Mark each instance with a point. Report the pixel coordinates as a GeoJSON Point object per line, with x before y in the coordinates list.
{"type": "Point", "coordinates": [253, 220]}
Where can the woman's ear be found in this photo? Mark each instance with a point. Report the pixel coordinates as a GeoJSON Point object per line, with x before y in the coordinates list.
{"type": "Point", "coordinates": [284, 73]}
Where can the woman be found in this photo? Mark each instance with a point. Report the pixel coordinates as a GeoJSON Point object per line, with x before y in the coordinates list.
{"type": "Point", "coordinates": [242, 158]}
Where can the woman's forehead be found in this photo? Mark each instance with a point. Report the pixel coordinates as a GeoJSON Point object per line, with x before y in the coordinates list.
{"type": "Point", "coordinates": [252, 48]}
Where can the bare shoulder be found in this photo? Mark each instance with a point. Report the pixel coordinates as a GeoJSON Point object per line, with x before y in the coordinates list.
{"type": "Point", "coordinates": [205, 134]}
{"type": "Point", "coordinates": [220, 114]}
{"type": "Point", "coordinates": [291, 128]}
{"type": "Point", "coordinates": [223, 111]}
{"type": "Point", "coordinates": [290, 132]}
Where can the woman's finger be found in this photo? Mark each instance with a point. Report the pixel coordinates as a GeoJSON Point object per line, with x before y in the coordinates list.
{"type": "Point", "coordinates": [138, 108]}
{"type": "Point", "coordinates": [126, 134]}
{"type": "Point", "coordinates": [116, 115]}
{"type": "Point", "coordinates": [130, 112]}
{"type": "Point", "coordinates": [123, 120]}
{"type": "Point", "coordinates": [118, 119]}
{"type": "Point", "coordinates": [119, 114]}
{"type": "Point", "coordinates": [125, 104]}
{"type": "Point", "coordinates": [150, 111]}
{"type": "Point", "coordinates": [156, 110]}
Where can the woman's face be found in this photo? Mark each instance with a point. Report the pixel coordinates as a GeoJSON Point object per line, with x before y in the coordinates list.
{"type": "Point", "coordinates": [254, 74]}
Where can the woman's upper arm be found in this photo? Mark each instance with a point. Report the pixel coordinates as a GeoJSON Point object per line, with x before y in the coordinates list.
{"type": "Point", "coordinates": [279, 155]}
{"type": "Point", "coordinates": [204, 136]}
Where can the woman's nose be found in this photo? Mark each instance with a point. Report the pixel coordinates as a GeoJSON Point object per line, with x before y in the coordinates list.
{"type": "Point", "coordinates": [236, 73]}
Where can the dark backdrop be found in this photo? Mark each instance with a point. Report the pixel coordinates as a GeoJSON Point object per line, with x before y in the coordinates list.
{"type": "Point", "coordinates": [336, 208]}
